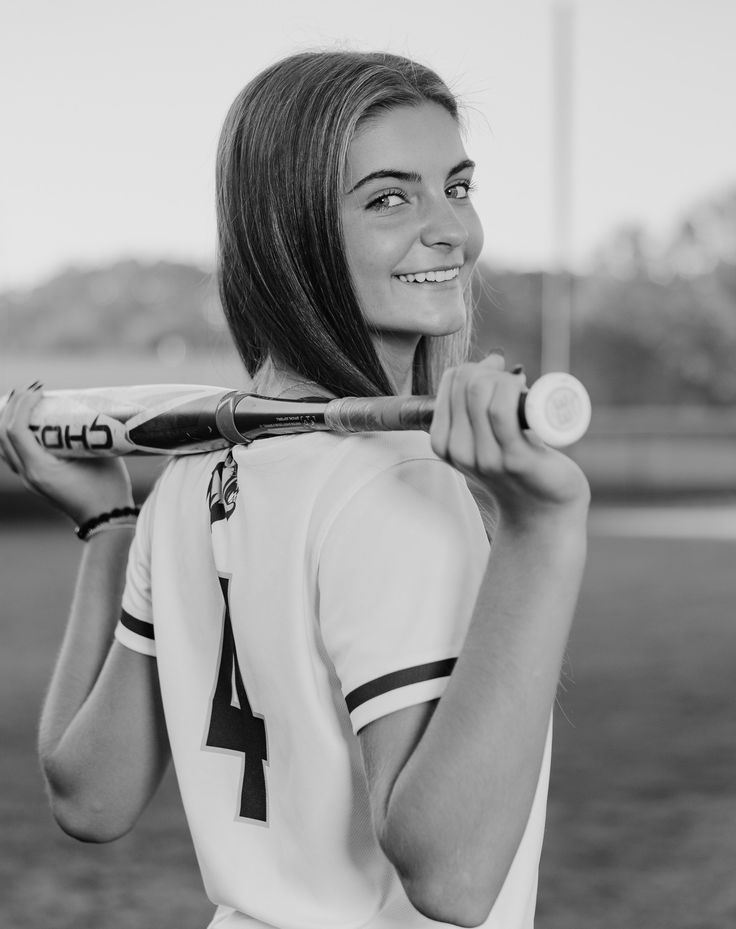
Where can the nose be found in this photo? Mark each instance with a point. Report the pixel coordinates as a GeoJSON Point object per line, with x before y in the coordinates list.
{"type": "Point", "coordinates": [442, 226]}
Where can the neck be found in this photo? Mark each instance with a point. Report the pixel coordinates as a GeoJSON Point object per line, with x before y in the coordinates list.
{"type": "Point", "coordinates": [274, 379]}
{"type": "Point", "coordinates": [397, 358]}
{"type": "Point", "coordinates": [277, 380]}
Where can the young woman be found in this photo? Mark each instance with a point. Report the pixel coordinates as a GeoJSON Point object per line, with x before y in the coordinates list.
{"type": "Point", "coordinates": [354, 686]}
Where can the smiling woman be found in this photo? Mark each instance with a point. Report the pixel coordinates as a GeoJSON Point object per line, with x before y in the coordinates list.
{"type": "Point", "coordinates": [323, 141]}
{"type": "Point", "coordinates": [411, 234]}
{"type": "Point", "coordinates": [354, 686]}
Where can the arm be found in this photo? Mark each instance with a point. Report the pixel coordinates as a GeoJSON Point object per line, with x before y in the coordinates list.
{"type": "Point", "coordinates": [452, 783]}
{"type": "Point", "coordinates": [102, 738]}
{"type": "Point", "coordinates": [103, 707]}
{"type": "Point", "coordinates": [451, 801]}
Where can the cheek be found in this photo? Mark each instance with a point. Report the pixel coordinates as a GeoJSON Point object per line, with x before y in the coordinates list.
{"type": "Point", "coordinates": [362, 255]}
{"type": "Point", "coordinates": [372, 266]}
{"type": "Point", "coordinates": [366, 278]}
{"type": "Point", "coordinates": [474, 244]}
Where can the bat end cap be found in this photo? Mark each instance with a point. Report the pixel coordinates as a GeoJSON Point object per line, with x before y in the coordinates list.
{"type": "Point", "coordinates": [558, 409]}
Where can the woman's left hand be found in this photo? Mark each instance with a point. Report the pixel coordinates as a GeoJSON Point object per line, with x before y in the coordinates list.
{"type": "Point", "coordinates": [81, 489]}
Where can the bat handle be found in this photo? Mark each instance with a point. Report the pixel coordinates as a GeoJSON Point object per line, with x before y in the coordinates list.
{"type": "Point", "coordinates": [557, 407]}
{"type": "Point", "coordinates": [368, 414]}
{"type": "Point", "coordinates": [379, 414]}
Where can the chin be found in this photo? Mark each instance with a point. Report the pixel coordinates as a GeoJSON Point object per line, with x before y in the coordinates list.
{"type": "Point", "coordinates": [430, 318]}
{"type": "Point", "coordinates": [445, 323]}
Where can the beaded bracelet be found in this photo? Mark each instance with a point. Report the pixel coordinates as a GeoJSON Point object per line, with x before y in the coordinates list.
{"type": "Point", "coordinates": [85, 530]}
{"type": "Point", "coordinates": [127, 523]}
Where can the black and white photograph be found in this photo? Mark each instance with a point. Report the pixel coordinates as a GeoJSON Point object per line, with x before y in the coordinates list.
{"type": "Point", "coordinates": [367, 464]}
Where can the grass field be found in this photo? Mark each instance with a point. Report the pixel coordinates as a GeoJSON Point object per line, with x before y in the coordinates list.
{"type": "Point", "coordinates": [642, 814]}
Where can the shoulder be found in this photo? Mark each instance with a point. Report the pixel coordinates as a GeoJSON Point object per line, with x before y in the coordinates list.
{"type": "Point", "coordinates": [368, 454]}
{"type": "Point", "coordinates": [366, 458]}
{"type": "Point", "coordinates": [386, 480]}
{"type": "Point", "coordinates": [182, 480]}
{"type": "Point", "coordinates": [185, 471]}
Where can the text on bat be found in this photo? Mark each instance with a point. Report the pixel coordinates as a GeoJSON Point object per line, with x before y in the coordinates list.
{"type": "Point", "coordinates": [94, 437]}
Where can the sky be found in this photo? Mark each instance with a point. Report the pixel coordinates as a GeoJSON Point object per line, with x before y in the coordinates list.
{"type": "Point", "coordinates": [110, 113]}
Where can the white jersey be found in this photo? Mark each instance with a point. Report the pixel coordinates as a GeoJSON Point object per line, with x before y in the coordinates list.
{"type": "Point", "coordinates": [293, 591]}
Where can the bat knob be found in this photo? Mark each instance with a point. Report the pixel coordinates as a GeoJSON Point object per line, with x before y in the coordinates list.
{"type": "Point", "coordinates": [557, 408]}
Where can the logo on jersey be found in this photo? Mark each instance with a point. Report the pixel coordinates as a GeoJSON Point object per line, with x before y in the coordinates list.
{"type": "Point", "coordinates": [222, 492]}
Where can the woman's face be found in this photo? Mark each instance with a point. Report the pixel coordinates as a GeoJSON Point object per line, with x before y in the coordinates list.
{"type": "Point", "coordinates": [411, 233]}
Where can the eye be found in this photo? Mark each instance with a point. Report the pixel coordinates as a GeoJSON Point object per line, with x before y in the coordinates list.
{"type": "Point", "coordinates": [386, 200]}
{"type": "Point", "coordinates": [460, 190]}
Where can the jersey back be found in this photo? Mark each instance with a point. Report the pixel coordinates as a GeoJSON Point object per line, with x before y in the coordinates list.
{"type": "Point", "coordinates": [292, 592]}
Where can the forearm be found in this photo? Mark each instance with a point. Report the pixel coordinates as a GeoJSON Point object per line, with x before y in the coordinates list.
{"type": "Point", "coordinates": [94, 613]}
{"type": "Point", "coordinates": [103, 708]}
{"type": "Point", "coordinates": [102, 739]}
{"type": "Point", "coordinates": [460, 804]}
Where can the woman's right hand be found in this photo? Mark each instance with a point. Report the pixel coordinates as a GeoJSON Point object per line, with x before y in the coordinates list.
{"type": "Point", "coordinates": [476, 429]}
{"type": "Point", "coordinates": [81, 489]}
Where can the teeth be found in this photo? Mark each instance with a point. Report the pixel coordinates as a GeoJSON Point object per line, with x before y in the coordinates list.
{"type": "Point", "coordinates": [434, 277]}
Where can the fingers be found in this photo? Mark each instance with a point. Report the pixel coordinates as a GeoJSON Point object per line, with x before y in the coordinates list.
{"type": "Point", "coordinates": [467, 388]}
{"type": "Point", "coordinates": [480, 394]}
{"type": "Point", "coordinates": [440, 429]}
{"type": "Point", "coordinates": [6, 451]}
{"type": "Point", "coordinates": [476, 425]}
{"type": "Point", "coordinates": [80, 489]}
{"type": "Point", "coordinates": [450, 397]}
{"type": "Point", "coordinates": [472, 444]}
{"type": "Point", "coordinates": [18, 446]}
{"type": "Point", "coordinates": [519, 370]}
{"type": "Point", "coordinates": [503, 415]}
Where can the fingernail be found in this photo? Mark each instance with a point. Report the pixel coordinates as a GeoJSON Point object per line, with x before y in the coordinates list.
{"type": "Point", "coordinates": [32, 386]}
{"type": "Point", "coordinates": [39, 386]}
{"type": "Point", "coordinates": [517, 369]}
{"type": "Point", "coordinates": [497, 351]}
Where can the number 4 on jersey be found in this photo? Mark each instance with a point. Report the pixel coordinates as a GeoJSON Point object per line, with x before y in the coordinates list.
{"type": "Point", "coordinates": [237, 728]}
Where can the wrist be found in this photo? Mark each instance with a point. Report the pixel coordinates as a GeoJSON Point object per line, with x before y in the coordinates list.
{"type": "Point", "coordinates": [95, 508]}
{"type": "Point", "coordinates": [542, 520]}
{"type": "Point", "coordinates": [116, 518]}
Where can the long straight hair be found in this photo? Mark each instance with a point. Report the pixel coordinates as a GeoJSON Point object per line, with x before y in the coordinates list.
{"type": "Point", "coordinates": [283, 273]}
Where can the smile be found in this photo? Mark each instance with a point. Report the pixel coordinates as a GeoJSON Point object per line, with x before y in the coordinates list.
{"type": "Point", "coordinates": [432, 277]}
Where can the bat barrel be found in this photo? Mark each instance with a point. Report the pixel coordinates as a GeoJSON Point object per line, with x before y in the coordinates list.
{"type": "Point", "coordinates": [143, 419]}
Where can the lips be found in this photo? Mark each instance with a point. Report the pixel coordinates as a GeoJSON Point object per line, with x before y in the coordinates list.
{"type": "Point", "coordinates": [436, 276]}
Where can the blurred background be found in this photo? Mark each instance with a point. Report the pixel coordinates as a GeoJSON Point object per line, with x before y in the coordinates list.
{"type": "Point", "coordinates": [607, 187]}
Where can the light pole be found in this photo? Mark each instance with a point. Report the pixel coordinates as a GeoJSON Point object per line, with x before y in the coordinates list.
{"type": "Point", "coordinates": [557, 294]}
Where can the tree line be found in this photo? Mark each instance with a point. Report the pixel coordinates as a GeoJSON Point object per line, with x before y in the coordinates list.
{"type": "Point", "coordinates": [651, 323]}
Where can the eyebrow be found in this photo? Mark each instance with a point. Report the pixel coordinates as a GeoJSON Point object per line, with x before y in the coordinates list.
{"type": "Point", "coordinates": [409, 177]}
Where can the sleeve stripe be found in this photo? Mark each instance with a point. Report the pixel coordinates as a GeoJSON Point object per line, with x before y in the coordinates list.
{"type": "Point", "coordinates": [415, 675]}
{"type": "Point", "coordinates": [137, 625]}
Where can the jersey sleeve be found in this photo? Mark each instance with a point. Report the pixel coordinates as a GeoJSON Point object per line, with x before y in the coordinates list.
{"type": "Point", "coordinates": [399, 572]}
{"type": "Point", "coordinates": [135, 626]}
